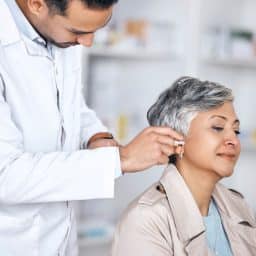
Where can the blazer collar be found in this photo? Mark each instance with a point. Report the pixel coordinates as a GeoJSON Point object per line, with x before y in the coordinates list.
{"type": "Point", "coordinates": [232, 205]}
{"type": "Point", "coordinates": [186, 214]}
{"type": "Point", "coordinates": [187, 217]}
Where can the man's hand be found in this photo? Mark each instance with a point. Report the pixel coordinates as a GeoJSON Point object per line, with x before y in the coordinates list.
{"type": "Point", "coordinates": [102, 139]}
{"type": "Point", "coordinates": [103, 143]}
{"type": "Point", "coordinates": [151, 147]}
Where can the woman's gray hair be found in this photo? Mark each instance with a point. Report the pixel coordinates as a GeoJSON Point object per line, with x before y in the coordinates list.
{"type": "Point", "coordinates": [180, 103]}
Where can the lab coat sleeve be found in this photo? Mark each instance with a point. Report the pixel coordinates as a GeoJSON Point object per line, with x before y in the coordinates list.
{"type": "Point", "coordinates": [90, 123]}
{"type": "Point", "coordinates": [27, 177]}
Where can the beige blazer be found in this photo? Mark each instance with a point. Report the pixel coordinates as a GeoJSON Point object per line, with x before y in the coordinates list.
{"type": "Point", "coordinates": [165, 220]}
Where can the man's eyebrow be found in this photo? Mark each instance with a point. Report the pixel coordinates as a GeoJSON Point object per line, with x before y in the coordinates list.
{"type": "Point", "coordinates": [224, 118]}
{"type": "Point", "coordinates": [80, 32]}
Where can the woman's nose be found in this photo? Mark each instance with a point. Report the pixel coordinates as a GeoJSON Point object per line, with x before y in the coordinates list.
{"type": "Point", "coordinates": [232, 139]}
{"type": "Point", "coordinates": [86, 40]}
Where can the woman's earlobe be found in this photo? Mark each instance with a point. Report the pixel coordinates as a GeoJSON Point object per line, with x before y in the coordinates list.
{"type": "Point", "coordinates": [180, 148]}
{"type": "Point", "coordinates": [181, 154]}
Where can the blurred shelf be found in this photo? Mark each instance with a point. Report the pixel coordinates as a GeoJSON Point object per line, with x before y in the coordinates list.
{"type": "Point", "coordinates": [232, 62]}
{"type": "Point", "coordinates": [94, 248]}
{"type": "Point", "coordinates": [248, 147]}
{"type": "Point", "coordinates": [95, 233]}
{"type": "Point", "coordinates": [137, 54]}
{"type": "Point", "coordinates": [99, 242]}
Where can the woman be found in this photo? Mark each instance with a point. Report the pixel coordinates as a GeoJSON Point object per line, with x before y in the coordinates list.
{"type": "Point", "coordinates": [188, 212]}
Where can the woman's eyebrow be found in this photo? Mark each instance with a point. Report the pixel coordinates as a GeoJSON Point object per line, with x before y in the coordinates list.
{"type": "Point", "coordinates": [236, 121]}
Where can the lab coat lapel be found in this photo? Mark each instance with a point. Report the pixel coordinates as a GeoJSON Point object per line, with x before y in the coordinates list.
{"type": "Point", "coordinates": [35, 49]}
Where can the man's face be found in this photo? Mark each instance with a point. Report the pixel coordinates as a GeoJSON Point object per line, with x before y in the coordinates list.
{"type": "Point", "coordinates": [76, 27]}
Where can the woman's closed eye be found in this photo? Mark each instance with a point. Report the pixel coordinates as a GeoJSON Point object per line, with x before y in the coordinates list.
{"type": "Point", "coordinates": [237, 132]}
{"type": "Point", "coordinates": [220, 129]}
{"type": "Point", "coordinates": [217, 128]}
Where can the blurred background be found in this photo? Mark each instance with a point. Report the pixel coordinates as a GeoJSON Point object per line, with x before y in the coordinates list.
{"type": "Point", "coordinates": [148, 45]}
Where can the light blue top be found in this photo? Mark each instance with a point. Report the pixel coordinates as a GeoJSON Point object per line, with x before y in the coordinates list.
{"type": "Point", "coordinates": [215, 233]}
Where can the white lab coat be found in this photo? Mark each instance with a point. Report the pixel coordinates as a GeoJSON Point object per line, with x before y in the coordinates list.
{"type": "Point", "coordinates": [41, 164]}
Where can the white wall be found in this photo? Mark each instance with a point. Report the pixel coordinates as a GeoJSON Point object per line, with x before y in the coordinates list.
{"type": "Point", "coordinates": [129, 86]}
{"type": "Point", "coordinates": [244, 178]}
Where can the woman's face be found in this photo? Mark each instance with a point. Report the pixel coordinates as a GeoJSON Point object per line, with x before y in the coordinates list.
{"type": "Point", "coordinates": [212, 143]}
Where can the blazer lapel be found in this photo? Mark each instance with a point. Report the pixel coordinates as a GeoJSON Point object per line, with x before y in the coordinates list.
{"type": "Point", "coordinates": [187, 217]}
{"type": "Point", "coordinates": [238, 221]}
{"type": "Point", "coordinates": [198, 247]}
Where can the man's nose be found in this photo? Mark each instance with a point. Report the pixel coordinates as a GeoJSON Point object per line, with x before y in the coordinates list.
{"type": "Point", "coordinates": [86, 40]}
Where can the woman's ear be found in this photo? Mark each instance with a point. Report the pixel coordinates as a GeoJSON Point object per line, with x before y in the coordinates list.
{"type": "Point", "coordinates": [179, 150]}
{"type": "Point", "coordinates": [181, 154]}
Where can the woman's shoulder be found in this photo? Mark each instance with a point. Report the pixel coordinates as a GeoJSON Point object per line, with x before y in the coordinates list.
{"type": "Point", "coordinates": [233, 203]}
{"type": "Point", "coordinates": [229, 193]}
{"type": "Point", "coordinates": [152, 205]}
{"type": "Point", "coordinates": [145, 226]}
{"type": "Point", "coordinates": [153, 195]}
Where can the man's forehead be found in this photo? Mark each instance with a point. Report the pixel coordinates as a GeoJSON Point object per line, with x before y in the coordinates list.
{"type": "Point", "coordinates": [83, 32]}
{"type": "Point", "coordinates": [84, 20]}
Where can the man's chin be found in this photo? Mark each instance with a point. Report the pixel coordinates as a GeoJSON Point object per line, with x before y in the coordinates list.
{"type": "Point", "coordinates": [61, 45]}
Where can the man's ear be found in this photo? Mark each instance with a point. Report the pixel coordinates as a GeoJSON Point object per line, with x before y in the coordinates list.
{"type": "Point", "coordinates": [37, 8]}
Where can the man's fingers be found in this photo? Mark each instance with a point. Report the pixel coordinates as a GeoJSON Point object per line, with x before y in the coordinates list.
{"type": "Point", "coordinates": [178, 150]}
{"type": "Point", "coordinates": [152, 146]}
{"type": "Point", "coordinates": [163, 159]}
{"type": "Point", "coordinates": [167, 140]}
{"type": "Point", "coordinates": [167, 131]}
{"type": "Point", "coordinates": [167, 150]}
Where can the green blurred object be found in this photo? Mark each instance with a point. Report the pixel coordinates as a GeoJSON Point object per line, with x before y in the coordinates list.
{"type": "Point", "coordinates": [243, 34]}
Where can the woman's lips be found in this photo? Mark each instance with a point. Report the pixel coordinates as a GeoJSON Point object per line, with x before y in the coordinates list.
{"type": "Point", "coordinates": [228, 156]}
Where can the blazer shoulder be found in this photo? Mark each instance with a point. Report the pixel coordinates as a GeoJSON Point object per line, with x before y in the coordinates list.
{"type": "Point", "coordinates": [229, 192]}
{"type": "Point", "coordinates": [151, 205]}
{"type": "Point", "coordinates": [236, 193]}
{"type": "Point", "coordinates": [153, 195]}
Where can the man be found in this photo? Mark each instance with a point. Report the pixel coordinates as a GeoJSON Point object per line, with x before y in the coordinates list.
{"type": "Point", "coordinates": [53, 149]}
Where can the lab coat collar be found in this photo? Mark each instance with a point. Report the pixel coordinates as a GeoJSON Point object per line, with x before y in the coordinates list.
{"type": "Point", "coordinates": [8, 30]}
{"type": "Point", "coordinates": [10, 33]}
{"type": "Point", "coordinates": [22, 23]}
{"type": "Point", "coordinates": [34, 49]}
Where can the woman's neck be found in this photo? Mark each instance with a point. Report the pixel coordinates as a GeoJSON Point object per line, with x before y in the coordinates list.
{"type": "Point", "coordinates": [200, 182]}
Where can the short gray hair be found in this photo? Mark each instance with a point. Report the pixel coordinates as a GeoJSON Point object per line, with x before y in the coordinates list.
{"type": "Point", "coordinates": [180, 103]}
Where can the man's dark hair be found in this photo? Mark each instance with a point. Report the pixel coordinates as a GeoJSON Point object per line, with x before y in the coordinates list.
{"type": "Point", "coordinates": [60, 6]}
